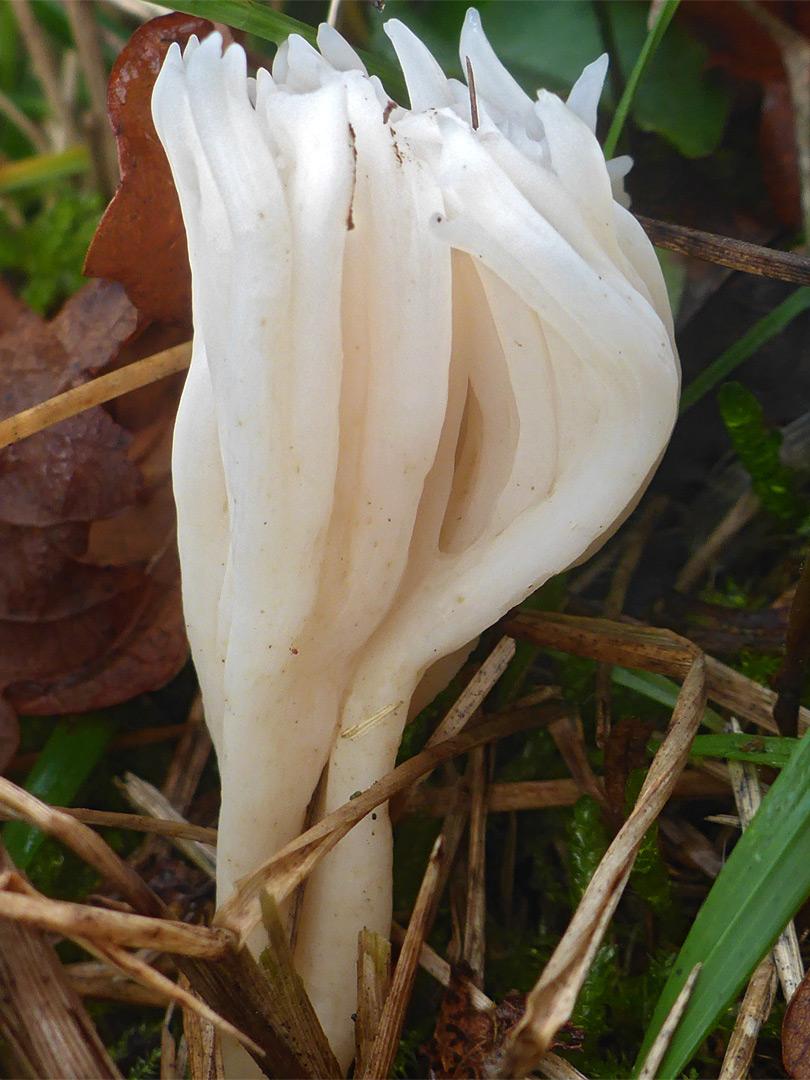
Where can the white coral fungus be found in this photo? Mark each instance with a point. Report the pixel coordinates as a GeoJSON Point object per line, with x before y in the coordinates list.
{"type": "Point", "coordinates": [433, 365]}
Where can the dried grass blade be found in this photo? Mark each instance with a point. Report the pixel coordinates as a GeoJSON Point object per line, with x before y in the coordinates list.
{"type": "Point", "coordinates": [117, 927]}
{"type": "Point", "coordinates": [659, 1047]}
{"type": "Point", "coordinates": [649, 648]}
{"type": "Point", "coordinates": [754, 1011]}
{"type": "Point", "coordinates": [85, 843]}
{"type": "Point", "coordinates": [373, 986]}
{"type": "Point", "coordinates": [152, 802]}
{"type": "Point", "coordinates": [551, 1002]}
{"type": "Point", "coordinates": [41, 1016]}
{"type": "Point", "coordinates": [293, 1011]}
{"type": "Point", "coordinates": [142, 972]}
{"type": "Point", "coordinates": [141, 823]}
{"type": "Point", "coordinates": [474, 925]}
{"type": "Point", "coordinates": [475, 691]}
{"type": "Point", "coordinates": [98, 979]}
{"type": "Point", "coordinates": [748, 797]}
{"type": "Point", "coordinates": [204, 1047]}
{"type": "Point", "coordinates": [393, 1015]}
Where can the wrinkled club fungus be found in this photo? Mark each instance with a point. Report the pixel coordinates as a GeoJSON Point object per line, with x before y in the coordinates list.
{"type": "Point", "coordinates": [433, 365]}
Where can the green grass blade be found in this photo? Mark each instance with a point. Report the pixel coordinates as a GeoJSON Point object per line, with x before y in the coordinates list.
{"type": "Point", "coordinates": [760, 333]}
{"type": "Point", "coordinates": [67, 759]}
{"type": "Point", "coordinates": [247, 15]}
{"type": "Point", "coordinates": [43, 168]}
{"type": "Point", "coordinates": [661, 689]}
{"type": "Point", "coordinates": [761, 750]}
{"type": "Point", "coordinates": [275, 26]}
{"type": "Point", "coordinates": [653, 40]}
{"type": "Point", "coordinates": [760, 888]}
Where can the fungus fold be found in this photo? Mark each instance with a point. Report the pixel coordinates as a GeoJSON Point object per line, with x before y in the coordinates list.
{"type": "Point", "coordinates": [433, 365]}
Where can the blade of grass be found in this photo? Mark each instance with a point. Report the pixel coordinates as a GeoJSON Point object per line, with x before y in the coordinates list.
{"type": "Point", "coordinates": [760, 333]}
{"type": "Point", "coordinates": [760, 888]}
{"type": "Point", "coordinates": [773, 751]}
{"type": "Point", "coordinates": [653, 40]}
{"type": "Point", "coordinates": [275, 26]}
{"type": "Point", "coordinates": [43, 168]}
{"type": "Point", "coordinates": [69, 756]}
{"type": "Point", "coordinates": [661, 689]}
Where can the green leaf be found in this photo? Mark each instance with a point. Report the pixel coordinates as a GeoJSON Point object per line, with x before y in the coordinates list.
{"type": "Point", "coordinates": [67, 759]}
{"type": "Point", "coordinates": [676, 97]}
{"type": "Point", "coordinates": [761, 887]}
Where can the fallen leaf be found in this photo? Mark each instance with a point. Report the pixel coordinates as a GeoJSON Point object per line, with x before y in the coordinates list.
{"type": "Point", "coordinates": [796, 1032]}
{"type": "Point", "coordinates": [742, 46]}
{"type": "Point", "coordinates": [464, 1035]}
{"type": "Point", "coordinates": [90, 611]}
{"type": "Point", "coordinates": [141, 241]}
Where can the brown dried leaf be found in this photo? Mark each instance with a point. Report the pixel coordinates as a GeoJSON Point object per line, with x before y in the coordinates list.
{"type": "Point", "coordinates": [465, 1036]}
{"type": "Point", "coordinates": [89, 614]}
{"type": "Point", "coordinates": [141, 241]}
{"type": "Point", "coordinates": [796, 1032]}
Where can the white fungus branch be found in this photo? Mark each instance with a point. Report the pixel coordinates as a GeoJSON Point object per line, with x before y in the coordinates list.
{"type": "Point", "coordinates": [433, 365]}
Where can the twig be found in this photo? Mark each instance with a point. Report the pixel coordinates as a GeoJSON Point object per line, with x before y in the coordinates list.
{"type": "Point", "coordinates": [204, 1048]}
{"type": "Point", "coordinates": [551, 1066]}
{"type": "Point", "coordinates": [168, 1047]}
{"type": "Point", "coordinates": [23, 123]}
{"type": "Point", "coordinates": [743, 511]}
{"type": "Point", "coordinates": [474, 925]}
{"type": "Point", "coordinates": [87, 845]}
{"type": "Point", "coordinates": [724, 251]}
{"type": "Point", "coordinates": [105, 388]}
{"type": "Point", "coordinates": [86, 36]}
{"type": "Point", "coordinates": [475, 691]}
{"type": "Point", "coordinates": [635, 541]}
{"type": "Point", "coordinates": [44, 67]}
{"type": "Point", "coordinates": [754, 1011]}
{"type": "Point", "coordinates": [664, 1037]}
{"type": "Point", "coordinates": [232, 983]}
{"type": "Point", "coordinates": [182, 777]}
{"type": "Point", "coordinates": [542, 794]}
{"type": "Point", "coordinates": [393, 1015]}
{"type": "Point", "coordinates": [649, 649]}
{"type": "Point", "coordinates": [570, 740]}
{"type": "Point", "coordinates": [141, 971]}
